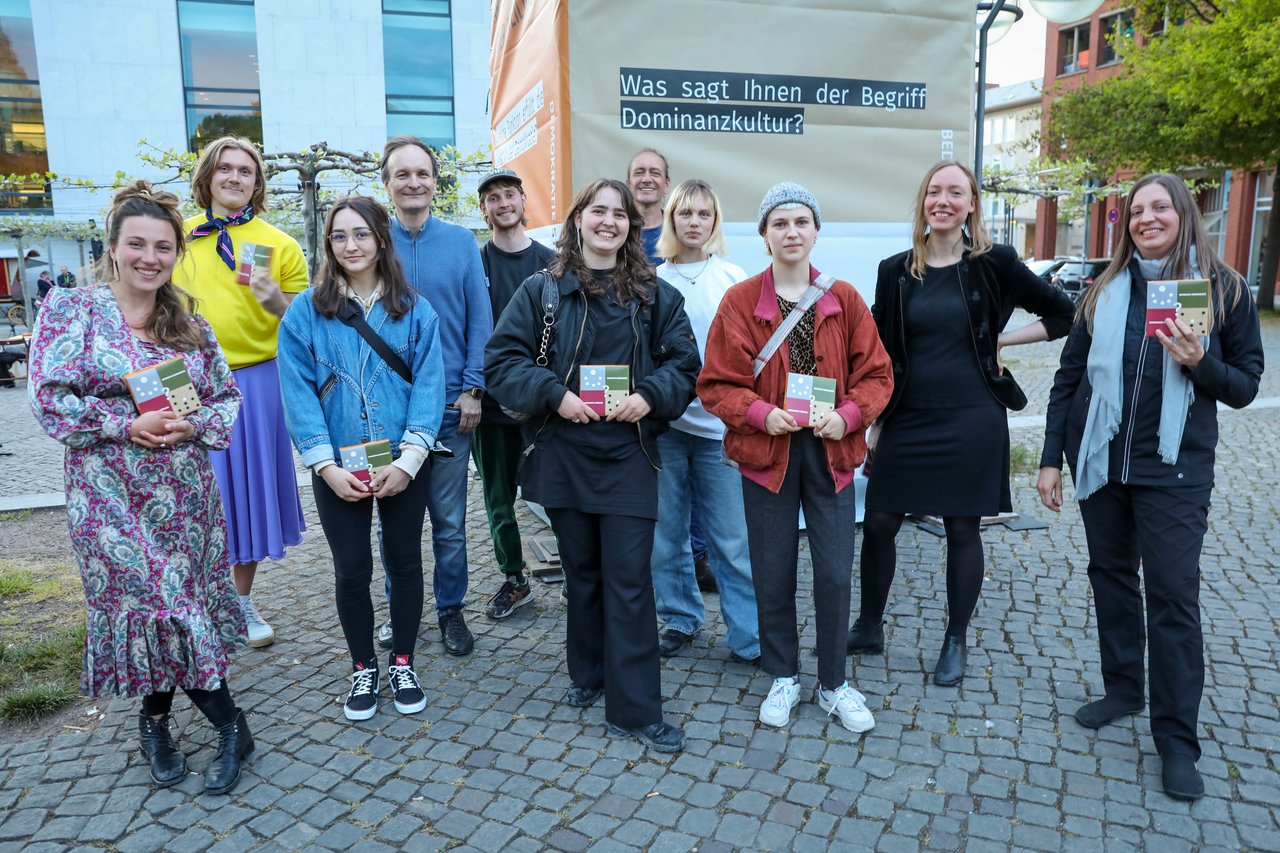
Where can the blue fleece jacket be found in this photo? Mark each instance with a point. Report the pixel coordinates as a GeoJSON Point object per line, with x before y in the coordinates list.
{"type": "Point", "coordinates": [442, 263]}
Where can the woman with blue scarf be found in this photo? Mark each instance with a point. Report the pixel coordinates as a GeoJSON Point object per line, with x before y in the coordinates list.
{"type": "Point", "coordinates": [1136, 415]}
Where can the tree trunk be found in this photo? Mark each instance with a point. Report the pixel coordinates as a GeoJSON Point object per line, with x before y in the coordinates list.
{"type": "Point", "coordinates": [1270, 249]}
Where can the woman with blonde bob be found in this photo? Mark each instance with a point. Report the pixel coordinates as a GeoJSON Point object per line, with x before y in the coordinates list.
{"type": "Point", "coordinates": [942, 444]}
{"type": "Point", "coordinates": [1134, 408]}
{"type": "Point", "coordinates": [693, 474]}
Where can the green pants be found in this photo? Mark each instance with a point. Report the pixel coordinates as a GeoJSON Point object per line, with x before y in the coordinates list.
{"type": "Point", "coordinates": [496, 449]}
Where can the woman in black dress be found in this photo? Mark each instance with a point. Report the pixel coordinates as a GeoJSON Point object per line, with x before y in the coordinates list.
{"type": "Point", "coordinates": [942, 444]}
{"type": "Point", "coordinates": [598, 476]}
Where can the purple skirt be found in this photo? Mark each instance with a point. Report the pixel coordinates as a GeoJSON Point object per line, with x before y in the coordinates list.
{"type": "Point", "coordinates": [255, 474]}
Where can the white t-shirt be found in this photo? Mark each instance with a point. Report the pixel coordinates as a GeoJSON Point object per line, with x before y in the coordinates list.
{"type": "Point", "coordinates": [703, 286]}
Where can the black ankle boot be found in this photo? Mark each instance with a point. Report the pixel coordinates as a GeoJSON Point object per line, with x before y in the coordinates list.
{"type": "Point", "coordinates": [866, 637]}
{"type": "Point", "coordinates": [951, 662]}
{"type": "Point", "coordinates": [234, 743]}
{"type": "Point", "coordinates": [168, 764]}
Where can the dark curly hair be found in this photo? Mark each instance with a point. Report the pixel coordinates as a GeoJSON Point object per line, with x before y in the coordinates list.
{"type": "Point", "coordinates": [633, 277]}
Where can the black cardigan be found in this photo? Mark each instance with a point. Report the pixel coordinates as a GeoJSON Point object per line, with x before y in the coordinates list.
{"type": "Point", "coordinates": [994, 283]}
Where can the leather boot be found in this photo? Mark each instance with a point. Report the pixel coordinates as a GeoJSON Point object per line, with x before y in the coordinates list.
{"type": "Point", "coordinates": [951, 662]}
{"type": "Point", "coordinates": [234, 743]}
{"type": "Point", "coordinates": [168, 764]}
{"type": "Point", "coordinates": [866, 637]}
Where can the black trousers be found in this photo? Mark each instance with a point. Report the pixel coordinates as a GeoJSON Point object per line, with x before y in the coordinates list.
{"type": "Point", "coordinates": [773, 538]}
{"type": "Point", "coordinates": [1163, 530]}
{"type": "Point", "coordinates": [612, 620]}
{"type": "Point", "coordinates": [347, 527]}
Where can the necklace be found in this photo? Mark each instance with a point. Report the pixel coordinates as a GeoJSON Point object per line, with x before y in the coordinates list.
{"type": "Point", "coordinates": [694, 278]}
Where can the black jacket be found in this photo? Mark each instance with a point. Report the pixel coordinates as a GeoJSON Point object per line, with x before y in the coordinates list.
{"type": "Point", "coordinates": [994, 284]}
{"type": "Point", "coordinates": [1228, 373]}
{"type": "Point", "coordinates": [664, 370]}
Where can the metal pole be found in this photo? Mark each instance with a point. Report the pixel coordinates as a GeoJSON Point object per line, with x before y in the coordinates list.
{"type": "Point", "coordinates": [992, 9]}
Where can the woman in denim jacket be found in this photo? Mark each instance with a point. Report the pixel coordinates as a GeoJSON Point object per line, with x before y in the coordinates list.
{"type": "Point", "coordinates": [340, 393]}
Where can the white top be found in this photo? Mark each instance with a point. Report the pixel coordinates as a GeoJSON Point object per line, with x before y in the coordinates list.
{"type": "Point", "coordinates": [703, 285]}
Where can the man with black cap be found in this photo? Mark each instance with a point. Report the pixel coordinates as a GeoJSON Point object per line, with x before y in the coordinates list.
{"type": "Point", "coordinates": [509, 258]}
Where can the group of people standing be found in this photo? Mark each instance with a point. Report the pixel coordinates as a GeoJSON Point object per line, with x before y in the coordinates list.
{"type": "Point", "coordinates": [410, 334]}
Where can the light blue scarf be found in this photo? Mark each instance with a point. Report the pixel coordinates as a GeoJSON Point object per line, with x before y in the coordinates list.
{"type": "Point", "coordinates": [1105, 369]}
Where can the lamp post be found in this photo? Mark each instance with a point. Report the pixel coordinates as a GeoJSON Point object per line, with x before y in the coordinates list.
{"type": "Point", "coordinates": [993, 10]}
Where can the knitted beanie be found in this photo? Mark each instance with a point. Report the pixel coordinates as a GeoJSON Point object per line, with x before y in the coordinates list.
{"type": "Point", "coordinates": [787, 195]}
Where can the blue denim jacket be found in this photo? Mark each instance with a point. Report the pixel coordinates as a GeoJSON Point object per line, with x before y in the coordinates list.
{"type": "Point", "coordinates": [338, 392]}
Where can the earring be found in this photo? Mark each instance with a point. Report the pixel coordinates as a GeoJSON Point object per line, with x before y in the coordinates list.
{"type": "Point", "coordinates": [767, 249]}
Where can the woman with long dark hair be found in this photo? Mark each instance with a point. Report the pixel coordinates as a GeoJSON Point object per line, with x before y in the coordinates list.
{"type": "Point", "coordinates": [597, 475]}
{"type": "Point", "coordinates": [942, 444]}
{"type": "Point", "coordinates": [142, 503]}
{"type": "Point", "coordinates": [1134, 408]}
{"type": "Point", "coordinates": [341, 394]}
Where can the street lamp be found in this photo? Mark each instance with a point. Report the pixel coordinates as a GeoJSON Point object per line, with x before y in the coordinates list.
{"type": "Point", "coordinates": [994, 10]}
{"type": "Point", "coordinates": [1064, 11]}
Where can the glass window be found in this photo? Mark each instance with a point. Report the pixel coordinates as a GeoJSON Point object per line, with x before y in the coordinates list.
{"type": "Point", "coordinates": [417, 47]}
{"type": "Point", "coordinates": [1262, 210]}
{"type": "Point", "coordinates": [22, 141]}
{"type": "Point", "coordinates": [1073, 49]}
{"type": "Point", "coordinates": [1116, 29]}
{"type": "Point", "coordinates": [219, 44]}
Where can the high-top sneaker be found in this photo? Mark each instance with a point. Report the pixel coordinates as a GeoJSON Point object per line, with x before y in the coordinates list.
{"type": "Point", "coordinates": [260, 633]}
{"type": "Point", "coordinates": [405, 689]}
{"type": "Point", "coordinates": [362, 701]}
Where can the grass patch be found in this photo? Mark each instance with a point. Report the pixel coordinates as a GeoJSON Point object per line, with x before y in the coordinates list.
{"type": "Point", "coordinates": [15, 515]}
{"type": "Point", "coordinates": [1023, 459]}
{"type": "Point", "coordinates": [15, 582]}
{"type": "Point", "coordinates": [42, 636]}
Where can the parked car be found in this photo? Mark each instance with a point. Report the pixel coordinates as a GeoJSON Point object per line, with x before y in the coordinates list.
{"type": "Point", "coordinates": [1075, 275]}
{"type": "Point", "coordinates": [1045, 269]}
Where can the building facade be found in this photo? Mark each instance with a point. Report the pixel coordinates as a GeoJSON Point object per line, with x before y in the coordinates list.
{"type": "Point", "coordinates": [1011, 132]}
{"type": "Point", "coordinates": [1236, 209]}
{"type": "Point", "coordinates": [82, 82]}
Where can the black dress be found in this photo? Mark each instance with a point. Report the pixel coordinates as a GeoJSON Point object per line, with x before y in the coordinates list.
{"type": "Point", "coordinates": [945, 449]}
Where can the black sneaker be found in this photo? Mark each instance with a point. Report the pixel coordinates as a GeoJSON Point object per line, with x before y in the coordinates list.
{"type": "Point", "coordinates": [659, 736]}
{"type": "Point", "coordinates": [362, 701]}
{"type": "Point", "coordinates": [456, 635]}
{"type": "Point", "coordinates": [405, 688]}
{"type": "Point", "coordinates": [513, 593]}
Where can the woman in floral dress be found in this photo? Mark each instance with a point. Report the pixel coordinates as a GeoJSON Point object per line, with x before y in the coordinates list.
{"type": "Point", "coordinates": [142, 504]}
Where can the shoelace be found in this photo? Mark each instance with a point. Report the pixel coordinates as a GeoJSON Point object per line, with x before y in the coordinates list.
{"type": "Point", "coordinates": [402, 678]}
{"type": "Point", "coordinates": [781, 697]}
{"type": "Point", "coordinates": [251, 612]}
{"type": "Point", "coordinates": [362, 681]}
{"type": "Point", "coordinates": [844, 692]}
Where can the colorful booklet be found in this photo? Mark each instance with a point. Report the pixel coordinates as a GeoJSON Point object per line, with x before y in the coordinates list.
{"type": "Point", "coordinates": [1184, 299]}
{"type": "Point", "coordinates": [164, 387]}
{"type": "Point", "coordinates": [367, 460]}
{"type": "Point", "coordinates": [603, 387]}
{"type": "Point", "coordinates": [810, 398]}
{"type": "Point", "coordinates": [251, 255]}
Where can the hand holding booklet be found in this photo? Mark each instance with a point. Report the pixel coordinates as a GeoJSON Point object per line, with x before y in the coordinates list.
{"type": "Point", "coordinates": [1184, 299]}
{"type": "Point", "coordinates": [810, 398]}
{"type": "Point", "coordinates": [163, 387]}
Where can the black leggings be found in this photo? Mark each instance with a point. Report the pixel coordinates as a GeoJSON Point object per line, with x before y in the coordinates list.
{"type": "Point", "coordinates": [215, 704]}
{"type": "Point", "coordinates": [965, 567]}
{"type": "Point", "coordinates": [347, 526]}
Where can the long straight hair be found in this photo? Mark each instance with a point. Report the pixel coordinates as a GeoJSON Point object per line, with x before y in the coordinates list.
{"type": "Point", "coordinates": [397, 296]}
{"type": "Point", "coordinates": [633, 277]}
{"type": "Point", "coordinates": [172, 321]}
{"type": "Point", "coordinates": [976, 238]}
{"type": "Point", "coordinates": [1227, 283]}
{"type": "Point", "coordinates": [683, 198]}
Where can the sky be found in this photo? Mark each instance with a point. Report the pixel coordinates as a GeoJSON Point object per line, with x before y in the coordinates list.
{"type": "Point", "coordinates": [1019, 56]}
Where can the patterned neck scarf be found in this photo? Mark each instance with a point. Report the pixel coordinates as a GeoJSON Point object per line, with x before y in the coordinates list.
{"type": "Point", "coordinates": [214, 224]}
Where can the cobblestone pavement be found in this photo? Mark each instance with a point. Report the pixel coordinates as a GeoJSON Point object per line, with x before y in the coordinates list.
{"type": "Point", "coordinates": [496, 762]}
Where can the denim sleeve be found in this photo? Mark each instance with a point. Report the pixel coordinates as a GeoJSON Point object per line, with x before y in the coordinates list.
{"type": "Point", "coordinates": [426, 398]}
{"type": "Point", "coordinates": [300, 384]}
{"type": "Point", "coordinates": [479, 319]}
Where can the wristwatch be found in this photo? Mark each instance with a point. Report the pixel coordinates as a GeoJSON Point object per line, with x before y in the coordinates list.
{"type": "Point", "coordinates": [474, 393]}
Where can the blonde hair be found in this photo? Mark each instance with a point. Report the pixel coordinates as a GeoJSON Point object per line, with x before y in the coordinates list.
{"type": "Point", "coordinates": [682, 198]}
{"type": "Point", "coordinates": [1227, 283]}
{"type": "Point", "coordinates": [977, 240]}
{"type": "Point", "coordinates": [202, 174]}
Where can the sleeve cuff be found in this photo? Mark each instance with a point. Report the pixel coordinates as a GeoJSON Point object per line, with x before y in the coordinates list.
{"type": "Point", "coordinates": [321, 465]}
{"type": "Point", "coordinates": [852, 416]}
{"type": "Point", "coordinates": [412, 458]}
{"type": "Point", "coordinates": [757, 412]}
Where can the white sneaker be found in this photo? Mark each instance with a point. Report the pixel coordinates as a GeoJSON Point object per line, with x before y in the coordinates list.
{"type": "Point", "coordinates": [784, 695]}
{"type": "Point", "coordinates": [850, 705]}
{"type": "Point", "coordinates": [260, 633]}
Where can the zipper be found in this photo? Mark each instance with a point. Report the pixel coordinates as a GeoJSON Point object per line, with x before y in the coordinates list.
{"type": "Point", "coordinates": [1133, 412]}
{"type": "Point", "coordinates": [582, 332]}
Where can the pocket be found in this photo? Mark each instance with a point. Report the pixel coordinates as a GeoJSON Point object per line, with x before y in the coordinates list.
{"type": "Point", "coordinates": [328, 386]}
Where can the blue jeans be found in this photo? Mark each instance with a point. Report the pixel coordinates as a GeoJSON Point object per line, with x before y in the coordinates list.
{"type": "Point", "coordinates": [447, 509]}
{"type": "Point", "coordinates": [691, 464]}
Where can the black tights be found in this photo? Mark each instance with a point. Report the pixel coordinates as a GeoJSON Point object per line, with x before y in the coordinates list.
{"type": "Point", "coordinates": [965, 567]}
{"type": "Point", "coordinates": [216, 704]}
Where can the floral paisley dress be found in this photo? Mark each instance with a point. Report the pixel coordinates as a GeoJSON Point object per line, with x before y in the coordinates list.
{"type": "Point", "coordinates": [146, 525]}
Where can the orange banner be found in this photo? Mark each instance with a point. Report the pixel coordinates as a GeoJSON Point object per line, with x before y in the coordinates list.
{"type": "Point", "coordinates": [529, 68]}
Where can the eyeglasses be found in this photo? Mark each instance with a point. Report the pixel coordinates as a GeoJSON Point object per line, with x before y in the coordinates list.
{"type": "Point", "coordinates": [339, 238]}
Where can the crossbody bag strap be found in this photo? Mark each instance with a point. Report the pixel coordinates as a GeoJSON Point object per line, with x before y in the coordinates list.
{"type": "Point", "coordinates": [817, 287]}
{"type": "Point", "coordinates": [352, 316]}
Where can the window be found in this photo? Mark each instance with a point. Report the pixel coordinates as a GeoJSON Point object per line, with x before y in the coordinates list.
{"type": "Point", "coordinates": [1262, 210]}
{"type": "Point", "coordinates": [417, 49]}
{"type": "Point", "coordinates": [1213, 208]}
{"type": "Point", "coordinates": [1073, 49]}
{"type": "Point", "coordinates": [1116, 29]}
{"type": "Point", "coordinates": [22, 142]}
{"type": "Point", "coordinates": [219, 42]}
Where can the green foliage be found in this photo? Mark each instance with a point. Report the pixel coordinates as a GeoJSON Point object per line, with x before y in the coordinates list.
{"type": "Point", "coordinates": [40, 677]}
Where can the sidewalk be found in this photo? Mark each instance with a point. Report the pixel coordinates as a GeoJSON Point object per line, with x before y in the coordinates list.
{"type": "Point", "coordinates": [497, 763]}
